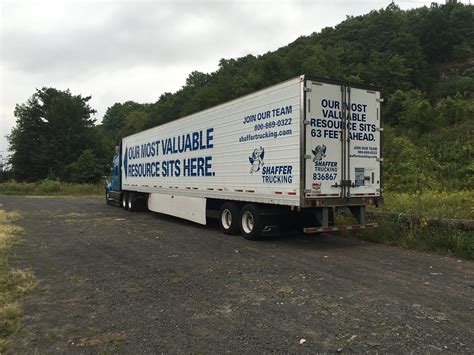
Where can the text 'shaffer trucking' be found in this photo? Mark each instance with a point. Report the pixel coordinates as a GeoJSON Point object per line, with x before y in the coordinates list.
{"type": "Point", "coordinates": [282, 157]}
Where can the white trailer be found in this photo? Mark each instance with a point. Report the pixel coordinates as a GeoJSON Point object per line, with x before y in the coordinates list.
{"type": "Point", "coordinates": [289, 153]}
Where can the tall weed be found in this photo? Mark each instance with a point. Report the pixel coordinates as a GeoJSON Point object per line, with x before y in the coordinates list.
{"type": "Point", "coordinates": [418, 235]}
{"type": "Point", "coordinates": [453, 204]}
{"type": "Point", "coordinates": [50, 188]}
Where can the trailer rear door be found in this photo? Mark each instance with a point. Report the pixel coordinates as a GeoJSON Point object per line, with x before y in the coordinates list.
{"type": "Point", "coordinates": [364, 149]}
{"type": "Point", "coordinates": [342, 141]}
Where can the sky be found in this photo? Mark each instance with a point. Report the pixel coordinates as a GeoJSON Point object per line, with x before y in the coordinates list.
{"type": "Point", "coordinates": [117, 51]}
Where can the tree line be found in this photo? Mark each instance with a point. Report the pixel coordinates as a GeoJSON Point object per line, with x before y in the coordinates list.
{"type": "Point", "coordinates": [422, 59]}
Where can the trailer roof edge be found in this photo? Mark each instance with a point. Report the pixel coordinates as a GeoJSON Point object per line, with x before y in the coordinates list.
{"type": "Point", "coordinates": [341, 82]}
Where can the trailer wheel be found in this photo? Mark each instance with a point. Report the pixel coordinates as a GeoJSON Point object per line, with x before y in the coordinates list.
{"type": "Point", "coordinates": [125, 200]}
{"type": "Point", "coordinates": [250, 222]}
{"type": "Point", "coordinates": [229, 220]}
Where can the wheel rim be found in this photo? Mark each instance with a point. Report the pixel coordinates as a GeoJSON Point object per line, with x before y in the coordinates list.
{"type": "Point", "coordinates": [130, 202]}
{"type": "Point", "coordinates": [226, 218]}
{"type": "Point", "coordinates": [247, 222]}
{"type": "Point", "coordinates": [124, 202]}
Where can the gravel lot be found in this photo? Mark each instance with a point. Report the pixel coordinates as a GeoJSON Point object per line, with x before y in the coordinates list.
{"type": "Point", "coordinates": [115, 281]}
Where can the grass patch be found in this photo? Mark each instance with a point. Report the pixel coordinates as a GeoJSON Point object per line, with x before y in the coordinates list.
{"type": "Point", "coordinates": [418, 235]}
{"type": "Point", "coordinates": [50, 188]}
{"type": "Point", "coordinates": [454, 204]}
{"type": "Point", "coordinates": [285, 290]}
{"type": "Point", "coordinates": [114, 339]}
{"type": "Point", "coordinates": [13, 283]}
{"type": "Point", "coordinates": [410, 225]}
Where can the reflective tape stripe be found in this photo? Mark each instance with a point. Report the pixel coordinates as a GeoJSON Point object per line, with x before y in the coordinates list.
{"type": "Point", "coordinates": [341, 228]}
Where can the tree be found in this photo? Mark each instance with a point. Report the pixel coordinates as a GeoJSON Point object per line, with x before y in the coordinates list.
{"type": "Point", "coordinates": [135, 122]}
{"type": "Point", "coordinates": [325, 62]}
{"type": "Point", "coordinates": [86, 169]}
{"type": "Point", "coordinates": [388, 71]}
{"type": "Point", "coordinates": [114, 118]}
{"type": "Point", "coordinates": [417, 115]}
{"type": "Point", "coordinates": [407, 168]}
{"type": "Point", "coordinates": [197, 79]}
{"type": "Point", "coordinates": [52, 129]}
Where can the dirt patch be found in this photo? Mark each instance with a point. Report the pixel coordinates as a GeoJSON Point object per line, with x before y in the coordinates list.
{"type": "Point", "coordinates": [144, 282]}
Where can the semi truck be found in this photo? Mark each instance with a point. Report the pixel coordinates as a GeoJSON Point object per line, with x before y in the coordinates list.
{"type": "Point", "coordinates": [286, 156]}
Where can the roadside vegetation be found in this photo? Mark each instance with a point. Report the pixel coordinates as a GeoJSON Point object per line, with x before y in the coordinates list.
{"type": "Point", "coordinates": [444, 204]}
{"type": "Point", "coordinates": [414, 229]}
{"type": "Point", "coordinates": [419, 229]}
{"type": "Point", "coordinates": [50, 188]}
{"type": "Point", "coordinates": [14, 283]}
{"type": "Point", "coordinates": [418, 234]}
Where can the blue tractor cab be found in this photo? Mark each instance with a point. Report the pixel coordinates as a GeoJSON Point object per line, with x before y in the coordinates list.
{"type": "Point", "coordinates": [113, 190]}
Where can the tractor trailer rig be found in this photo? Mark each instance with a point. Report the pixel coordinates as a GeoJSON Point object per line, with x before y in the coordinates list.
{"type": "Point", "coordinates": [287, 155]}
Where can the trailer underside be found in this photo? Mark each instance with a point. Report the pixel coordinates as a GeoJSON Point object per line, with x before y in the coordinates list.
{"type": "Point", "coordinates": [266, 219]}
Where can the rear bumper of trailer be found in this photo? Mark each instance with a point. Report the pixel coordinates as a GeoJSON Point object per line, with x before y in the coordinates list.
{"type": "Point", "coordinates": [311, 230]}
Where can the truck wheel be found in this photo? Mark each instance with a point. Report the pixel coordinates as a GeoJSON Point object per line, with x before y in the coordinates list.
{"type": "Point", "coordinates": [107, 200]}
{"type": "Point", "coordinates": [229, 220]}
{"type": "Point", "coordinates": [125, 200]}
{"type": "Point", "coordinates": [130, 202]}
{"type": "Point", "coordinates": [250, 222]}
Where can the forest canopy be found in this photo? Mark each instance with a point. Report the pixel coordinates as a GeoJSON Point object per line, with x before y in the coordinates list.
{"type": "Point", "coordinates": [422, 59]}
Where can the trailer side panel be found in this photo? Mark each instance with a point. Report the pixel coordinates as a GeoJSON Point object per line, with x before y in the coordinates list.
{"type": "Point", "coordinates": [247, 149]}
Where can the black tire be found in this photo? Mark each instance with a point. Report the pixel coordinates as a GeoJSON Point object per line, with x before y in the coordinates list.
{"type": "Point", "coordinates": [250, 222]}
{"type": "Point", "coordinates": [304, 220]}
{"type": "Point", "coordinates": [125, 200]}
{"type": "Point", "coordinates": [107, 201]}
{"type": "Point", "coordinates": [131, 204]}
{"type": "Point", "coordinates": [229, 218]}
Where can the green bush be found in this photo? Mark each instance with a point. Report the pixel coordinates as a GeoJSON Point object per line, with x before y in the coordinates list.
{"type": "Point", "coordinates": [406, 166]}
{"type": "Point", "coordinates": [455, 204]}
{"type": "Point", "coordinates": [418, 235]}
{"type": "Point", "coordinates": [86, 169]}
{"type": "Point", "coordinates": [47, 187]}
{"type": "Point", "coordinates": [17, 188]}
